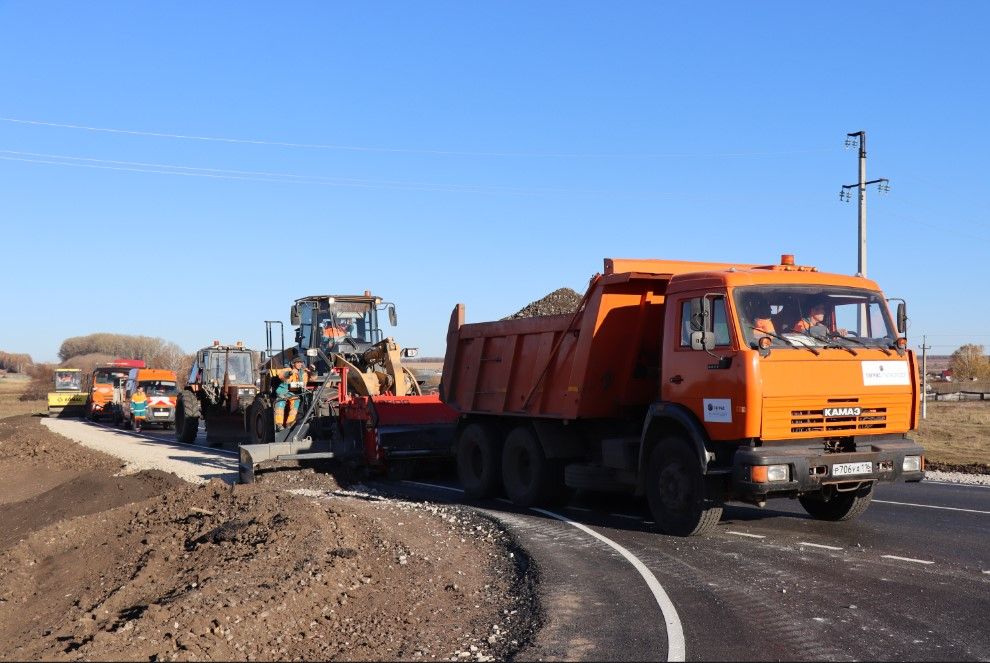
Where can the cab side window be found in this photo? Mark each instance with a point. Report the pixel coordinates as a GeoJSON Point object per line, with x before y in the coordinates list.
{"type": "Point", "coordinates": [720, 322]}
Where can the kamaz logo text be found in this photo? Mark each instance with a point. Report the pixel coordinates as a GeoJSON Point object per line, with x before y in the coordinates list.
{"type": "Point", "coordinates": [842, 411]}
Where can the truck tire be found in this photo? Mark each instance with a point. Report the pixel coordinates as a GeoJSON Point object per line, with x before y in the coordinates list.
{"type": "Point", "coordinates": [479, 461]}
{"type": "Point", "coordinates": [836, 506]}
{"type": "Point", "coordinates": [528, 477]}
{"type": "Point", "coordinates": [681, 501]}
{"type": "Point", "coordinates": [261, 421]}
{"type": "Point", "coordinates": [186, 417]}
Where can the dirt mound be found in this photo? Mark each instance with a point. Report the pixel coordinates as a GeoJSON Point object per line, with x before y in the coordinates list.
{"type": "Point", "coordinates": [86, 493]}
{"type": "Point", "coordinates": [284, 568]}
{"type": "Point", "coordinates": [966, 468]}
{"type": "Point", "coordinates": [22, 438]}
{"type": "Point", "coordinates": [559, 302]}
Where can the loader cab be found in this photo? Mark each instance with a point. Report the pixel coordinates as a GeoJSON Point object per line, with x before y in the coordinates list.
{"type": "Point", "coordinates": [347, 324]}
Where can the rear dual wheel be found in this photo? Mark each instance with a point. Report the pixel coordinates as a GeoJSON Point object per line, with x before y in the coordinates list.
{"type": "Point", "coordinates": [528, 476]}
{"type": "Point", "coordinates": [479, 460]}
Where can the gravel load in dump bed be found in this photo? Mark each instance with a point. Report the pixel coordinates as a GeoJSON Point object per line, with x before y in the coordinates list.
{"type": "Point", "coordinates": [559, 302]}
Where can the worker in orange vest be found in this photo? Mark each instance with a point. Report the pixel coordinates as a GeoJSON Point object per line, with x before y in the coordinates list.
{"type": "Point", "coordinates": [139, 408]}
{"type": "Point", "coordinates": [293, 383]}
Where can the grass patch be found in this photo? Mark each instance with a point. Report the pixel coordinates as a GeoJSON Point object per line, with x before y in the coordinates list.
{"type": "Point", "coordinates": [957, 433]}
{"type": "Point", "coordinates": [10, 399]}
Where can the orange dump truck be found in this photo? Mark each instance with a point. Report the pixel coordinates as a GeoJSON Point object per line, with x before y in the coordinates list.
{"type": "Point", "coordinates": [106, 389]}
{"type": "Point", "coordinates": [691, 383]}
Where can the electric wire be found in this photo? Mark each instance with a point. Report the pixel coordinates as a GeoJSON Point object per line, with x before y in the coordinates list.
{"type": "Point", "coordinates": [403, 150]}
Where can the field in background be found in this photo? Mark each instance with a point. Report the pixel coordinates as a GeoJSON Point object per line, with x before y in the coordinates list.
{"type": "Point", "coordinates": [11, 388]}
{"type": "Point", "coordinates": [957, 433]}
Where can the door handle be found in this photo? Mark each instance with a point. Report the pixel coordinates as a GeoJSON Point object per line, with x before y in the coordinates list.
{"type": "Point", "coordinates": [677, 379]}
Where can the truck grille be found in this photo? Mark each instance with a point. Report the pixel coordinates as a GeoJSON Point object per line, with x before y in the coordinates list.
{"type": "Point", "coordinates": [785, 418]}
{"type": "Point", "coordinates": [808, 421]}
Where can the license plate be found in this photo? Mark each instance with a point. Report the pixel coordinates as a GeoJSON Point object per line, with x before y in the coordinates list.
{"type": "Point", "coordinates": [161, 414]}
{"type": "Point", "coordinates": [846, 469]}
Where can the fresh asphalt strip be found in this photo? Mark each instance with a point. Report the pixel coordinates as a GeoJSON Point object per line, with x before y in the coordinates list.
{"type": "Point", "coordinates": [676, 649]}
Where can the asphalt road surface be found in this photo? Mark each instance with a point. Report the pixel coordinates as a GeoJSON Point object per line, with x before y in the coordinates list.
{"type": "Point", "coordinates": [909, 580]}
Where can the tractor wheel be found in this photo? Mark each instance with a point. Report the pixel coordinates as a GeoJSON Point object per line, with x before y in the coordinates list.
{"type": "Point", "coordinates": [261, 421]}
{"type": "Point", "coordinates": [836, 506]}
{"type": "Point", "coordinates": [530, 479]}
{"type": "Point", "coordinates": [186, 417]}
{"type": "Point", "coordinates": [479, 460]}
{"type": "Point", "coordinates": [682, 502]}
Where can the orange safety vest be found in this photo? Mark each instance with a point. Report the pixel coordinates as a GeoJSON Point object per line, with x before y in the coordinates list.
{"type": "Point", "coordinates": [764, 325]}
{"type": "Point", "coordinates": [293, 379]}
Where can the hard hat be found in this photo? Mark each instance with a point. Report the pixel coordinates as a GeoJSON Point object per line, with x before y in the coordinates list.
{"type": "Point", "coordinates": [298, 359]}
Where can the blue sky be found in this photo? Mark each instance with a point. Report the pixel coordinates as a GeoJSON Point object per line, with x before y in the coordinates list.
{"type": "Point", "coordinates": [485, 153]}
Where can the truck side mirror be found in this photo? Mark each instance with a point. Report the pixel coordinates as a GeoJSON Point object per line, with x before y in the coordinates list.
{"type": "Point", "coordinates": [294, 315]}
{"type": "Point", "coordinates": [702, 340]}
{"type": "Point", "coordinates": [902, 318]}
{"type": "Point", "coordinates": [393, 319]}
{"type": "Point", "coordinates": [702, 336]}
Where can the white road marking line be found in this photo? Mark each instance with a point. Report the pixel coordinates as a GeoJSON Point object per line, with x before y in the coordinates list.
{"type": "Point", "coordinates": [752, 536]}
{"type": "Point", "coordinates": [503, 500]}
{"type": "Point", "coordinates": [818, 545]}
{"type": "Point", "coordinates": [622, 515]}
{"type": "Point", "coordinates": [676, 650]}
{"type": "Point", "coordinates": [433, 485]}
{"type": "Point", "coordinates": [956, 483]}
{"type": "Point", "coordinates": [578, 508]}
{"type": "Point", "coordinates": [932, 506]}
{"type": "Point", "coordinates": [908, 559]}
{"type": "Point", "coordinates": [987, 572]}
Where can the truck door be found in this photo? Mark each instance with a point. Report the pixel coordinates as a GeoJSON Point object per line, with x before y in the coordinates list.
{"type": "Point", "coordinates": [702, 381]}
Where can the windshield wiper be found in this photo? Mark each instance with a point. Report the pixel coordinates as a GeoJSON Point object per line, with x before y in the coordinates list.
{"type": "Point", "coordinates": [865, 345]}
{"type": "Point", "coordinates": [788, 341]}
{"type": "Point", "coordinates": [825, 340]}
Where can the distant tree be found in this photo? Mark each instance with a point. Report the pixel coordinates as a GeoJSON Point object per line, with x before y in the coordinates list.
{"type": "Point", "coordinates": [15, 362]}
{"type": "Point", "coordinates": [968, 362]}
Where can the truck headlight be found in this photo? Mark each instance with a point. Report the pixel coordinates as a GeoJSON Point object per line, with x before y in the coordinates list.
{"type": "Point", "coordinates": [767, 473]}
{"type": "Point", "coordinates": [912, 464]}
{"type": "Point", "coordinates": [778, 473]}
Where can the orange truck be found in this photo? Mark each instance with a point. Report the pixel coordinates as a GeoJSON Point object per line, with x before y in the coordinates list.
{"type": "Point", "coordinates": [106, 388]}
{"type": "Point", "coordinates": [691, 384]}
{"type": "Point", "coordinates": [161, 389]}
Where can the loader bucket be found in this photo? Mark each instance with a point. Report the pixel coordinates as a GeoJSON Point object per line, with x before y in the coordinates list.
{"type": "Point", "coordinates": [253, 455]}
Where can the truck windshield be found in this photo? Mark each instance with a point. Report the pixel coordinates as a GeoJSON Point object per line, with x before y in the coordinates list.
{"type": "Point", "coordinates": [159, 387]}
{"type": "Point", "coordinates": [795, 316]}
{"type": "Point", "coordinates": [68, 380]}
{"type": "Point", "coordinates": [237, 365]}
{"type": "Point", "coordinates": [109, 377]}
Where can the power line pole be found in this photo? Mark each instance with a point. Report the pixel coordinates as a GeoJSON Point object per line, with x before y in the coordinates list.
{"type": "Point", "coordinates": [924, 347]}
{"type": "Point", "coordinates": [855, 139]}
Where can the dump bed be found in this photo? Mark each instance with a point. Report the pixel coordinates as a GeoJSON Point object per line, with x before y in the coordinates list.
{"type": "Point", "coordinates": [602, 361]}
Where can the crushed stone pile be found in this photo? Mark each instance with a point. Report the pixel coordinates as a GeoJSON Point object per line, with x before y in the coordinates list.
{"type": "Point", "coordinates": [561, 301]}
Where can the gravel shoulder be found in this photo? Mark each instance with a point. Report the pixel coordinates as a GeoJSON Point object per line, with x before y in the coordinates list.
{"type": "Point", "coordinates": [109, 560]}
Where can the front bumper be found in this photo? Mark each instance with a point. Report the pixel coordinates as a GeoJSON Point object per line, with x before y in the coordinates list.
{"type": "Point", "coordinates": [812, 468]}
{"type": "Point", "coordinates": [160, 415]}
